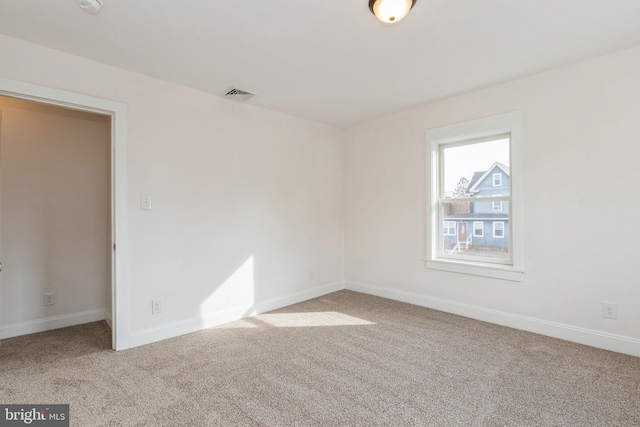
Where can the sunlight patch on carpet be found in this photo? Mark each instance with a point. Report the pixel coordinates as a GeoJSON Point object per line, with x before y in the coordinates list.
{"type": "Point", "coordinates": [323, 318]}
{"type": "Point", "coordinates": [238, 324]}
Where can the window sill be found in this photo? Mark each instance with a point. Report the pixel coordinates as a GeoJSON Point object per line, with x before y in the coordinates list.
{"type": "Point", "coordinates": [477, 269]}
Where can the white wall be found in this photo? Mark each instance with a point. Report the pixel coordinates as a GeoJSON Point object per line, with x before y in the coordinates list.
{"type": "Point", "coordinates": [244, 200]}
{"type": "Point", "coordinates": [581, 127]}
{"type": "Point", "coordinates": [55, 221]}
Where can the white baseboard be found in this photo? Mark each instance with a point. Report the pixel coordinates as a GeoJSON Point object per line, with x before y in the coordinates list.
{"type": "Point", "coordinates": [175, 329]}
{"type": "Point", "coordinates": [49, 323]}
{"type": "Point", "coordinates": [612, 342]}
{"type": "Point", "coordinates": [107, 318]}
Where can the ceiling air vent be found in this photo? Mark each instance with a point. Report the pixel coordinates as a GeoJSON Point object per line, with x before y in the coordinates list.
{"type": "Point", "coordinates": [238, 95]}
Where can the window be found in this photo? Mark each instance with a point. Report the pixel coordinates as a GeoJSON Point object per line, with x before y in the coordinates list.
{"type": "Point", "coordinates": [478, 229]}
{"type": "Point", "coordinates": [463, 177]}
{"type": "Point", "coordinates": [449, 228]}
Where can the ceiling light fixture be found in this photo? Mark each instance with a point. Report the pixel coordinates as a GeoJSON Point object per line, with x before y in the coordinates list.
{"type": "Point", "coordinates": [390, 11]}
{"type": "Point", "coordinates": [91, 6]}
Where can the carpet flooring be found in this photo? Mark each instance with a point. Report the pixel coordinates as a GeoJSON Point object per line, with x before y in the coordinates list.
{"type": "Point", "coordinates": [344, 359]}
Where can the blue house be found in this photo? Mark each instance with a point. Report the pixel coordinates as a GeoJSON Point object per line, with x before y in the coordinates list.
{"type": "Point", "coordinates": [481, 225]}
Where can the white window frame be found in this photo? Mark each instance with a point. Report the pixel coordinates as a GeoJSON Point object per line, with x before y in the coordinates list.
{"type": "Point", "coordinates": [497, 205]}
{"type": "Point", "coordinates": [499, 180]}
{"type": "Point", "coordinates": [448, 227]}
{"type": "Point", "coordinates": [495, 223]}
{"type": "Point", "coordinates": [463, 133]}
{"type": "Point", "coordinates": [481, 234]}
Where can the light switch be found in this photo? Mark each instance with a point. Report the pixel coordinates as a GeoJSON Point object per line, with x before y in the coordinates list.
{"type": "Point", "coordinates": [145, 203]}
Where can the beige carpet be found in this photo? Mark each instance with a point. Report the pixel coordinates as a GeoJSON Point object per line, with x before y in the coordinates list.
{"type": "Point", "coordinates": [345, 359]}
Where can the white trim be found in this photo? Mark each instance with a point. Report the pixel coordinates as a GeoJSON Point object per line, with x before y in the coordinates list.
{"type": "Point", "coordinates": [461, 133]}
{"type": "Point", "coordinates": [209, 320]}
{"type": "Point", "coordinates": [494, 229]}
{"type": "Point", "coordinates": [481, 228]}
{"type": "Point", "coordinates": [107, 318]}
{"type": "Point", "coordinates": [476, 267]}
{"type": "Point", "coordinates": [477, 199]}
{"type": "Point", "coordinates": [604, 340]}
{"type": "Point", "coordinates": [482, 219]}
{"type": "Point", "coordinates": [498, 204]}
{"type": "Point", "coordinates": [118, 112]}
{"type": "Point", "coordinates": [49, 323]}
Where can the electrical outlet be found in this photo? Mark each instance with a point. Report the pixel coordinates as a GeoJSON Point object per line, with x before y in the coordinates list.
{"type": "Point", "coordinates": [49, 299]}
{"type": "Point", "coordinates": [145, 203]}
{"type": "Point", "coordinates": [609, 310]}
{"type": "Point", "coordinates": [156, 306]}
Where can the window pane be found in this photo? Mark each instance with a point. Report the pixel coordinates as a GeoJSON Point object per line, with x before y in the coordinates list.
{"type": "Point", "coordinates": [478, 169]}
{"type": "Point", "coordinates": [464, 234]}
{"type": "Point", "coordinates": [478, 228]}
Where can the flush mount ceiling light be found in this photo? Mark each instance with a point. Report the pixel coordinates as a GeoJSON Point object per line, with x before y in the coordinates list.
{"type": "Point", "coordinates": [390, 11]}
{"type": "Point", "coordinates": [91, 6]}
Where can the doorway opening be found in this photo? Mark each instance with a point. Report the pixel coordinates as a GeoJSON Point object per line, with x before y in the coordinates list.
{"type": "Point", "coordinates": [112, 116]}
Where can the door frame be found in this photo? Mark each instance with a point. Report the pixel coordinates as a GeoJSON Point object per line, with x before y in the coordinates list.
{"type": "Point", "coordinates": [119, 235]}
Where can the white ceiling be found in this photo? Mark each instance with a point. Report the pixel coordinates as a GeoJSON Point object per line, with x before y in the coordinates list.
{"type": "Point", "coordinates": [330, 61]}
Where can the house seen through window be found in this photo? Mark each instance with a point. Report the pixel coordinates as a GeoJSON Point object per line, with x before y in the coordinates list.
{"type": "Point", "coordinates": [474, 199]}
